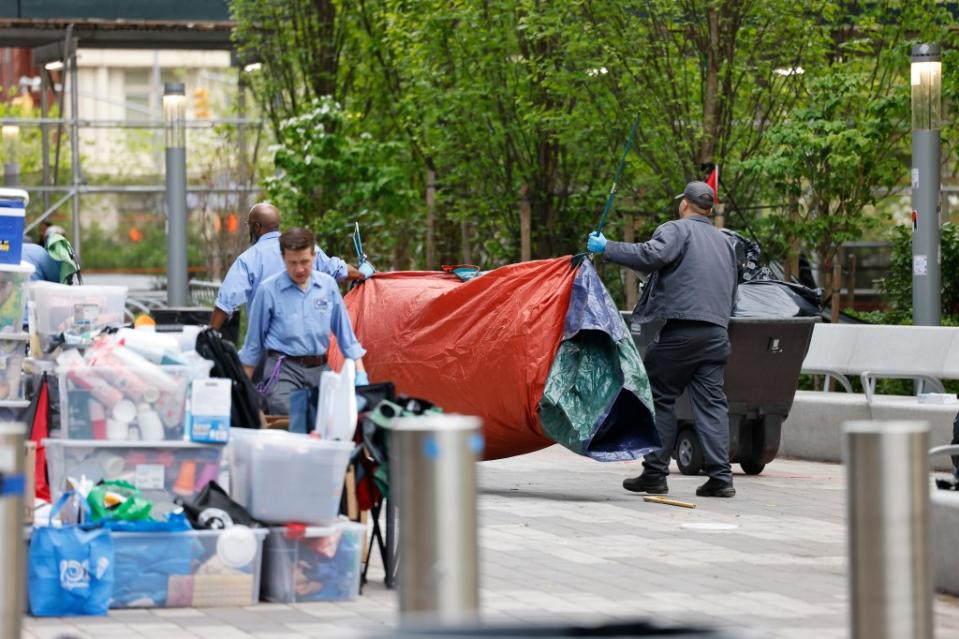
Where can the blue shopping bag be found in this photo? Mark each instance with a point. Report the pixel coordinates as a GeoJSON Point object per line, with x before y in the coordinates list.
{"type": "Point", "coordinates": [70, 569]}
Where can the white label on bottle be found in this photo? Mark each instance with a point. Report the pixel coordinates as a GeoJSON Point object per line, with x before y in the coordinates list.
{"type": "Point", "coordinates": [149, 477]}
{"type": "Point", "coordinates": [920, 264]}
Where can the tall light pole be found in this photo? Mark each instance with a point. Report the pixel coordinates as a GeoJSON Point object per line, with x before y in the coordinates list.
{"type": "Point", "coordinates": [11, 167]}
{"type": "Point", "coordinates": [926, 74]}
{"type": "Point", "coordinates": [174, 107]}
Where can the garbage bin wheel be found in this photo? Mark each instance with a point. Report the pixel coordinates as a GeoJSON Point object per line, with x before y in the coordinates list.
{"type": "Point", "coordinates": [689, 452]}
{"type": "Point", "coordinates": [752, 467]}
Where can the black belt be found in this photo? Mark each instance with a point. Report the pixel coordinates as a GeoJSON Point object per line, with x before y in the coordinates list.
{"type": "Point", "coordinates": [310, 361]}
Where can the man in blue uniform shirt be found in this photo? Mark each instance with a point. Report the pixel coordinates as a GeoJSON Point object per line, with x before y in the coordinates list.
{"type": "Point", "coordinates": [291, 318]}
{"type": "Point", "coordinates": [263, 259]}
{"type": "Point", "coordinates": [45, 268]}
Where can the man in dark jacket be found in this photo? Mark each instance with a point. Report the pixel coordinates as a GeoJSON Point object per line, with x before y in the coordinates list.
{"type": "Point", "coordinates": [692, 286]}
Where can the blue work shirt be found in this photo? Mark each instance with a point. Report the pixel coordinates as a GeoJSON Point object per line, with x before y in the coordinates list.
{"type": "Point", "coordinates": [45, 267]}
{"type": "Point", "coordinates": [259, 262]}
{"type": "Point", "coordinates": [293, 321]}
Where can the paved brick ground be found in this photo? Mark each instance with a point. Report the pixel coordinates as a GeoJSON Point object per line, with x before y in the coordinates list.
{"type": "Point", "coordinates": [561, 541]}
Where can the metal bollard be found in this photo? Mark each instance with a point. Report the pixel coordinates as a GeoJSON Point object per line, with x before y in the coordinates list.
{"type": "Point", "coordinates": [12, 484]}
{"type": "Point", "coordinates": [433, 471]}
{"type": "Point", "coordinates": [890, 569]}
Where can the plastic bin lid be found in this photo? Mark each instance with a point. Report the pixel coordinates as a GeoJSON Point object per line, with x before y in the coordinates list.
{"type": "Point", "coordinates": [15, 194]}
{"type": "Point", "coordinates": [237, 546]}
{"type": "Point", "coordinates": [110, 443]}
{"type": "Point", "coordinates": [22, 267]}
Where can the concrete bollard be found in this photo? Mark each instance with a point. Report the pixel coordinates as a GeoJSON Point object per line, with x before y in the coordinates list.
{"type": "Point", "coordinates": [890, 569]}
{"type": "Point", "coordinates": [433, 472]}
{"type": "Point", "coordinates": [12, 560]}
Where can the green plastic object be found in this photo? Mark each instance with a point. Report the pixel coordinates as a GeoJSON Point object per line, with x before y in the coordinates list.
{"type": "Point", "coordinates": [134, 508]}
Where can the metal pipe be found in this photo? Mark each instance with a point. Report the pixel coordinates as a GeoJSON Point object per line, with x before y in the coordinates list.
{"type": "Point", "coordinates": [433, 458]}
{"type": "Point", "coordinates": [12, 563]}
{"type": "Point", "coordinates": [131, 124]}
{"type": "Point", "coordinates": [45, 135]}
{"type": "Point", "coordinates": [47, 213]}
{"type": "Point", "coordinates": [890, 569]}
{"type": "Point", "coordinates": [138, 188]}
{"type": "Point", "coordinates": [75, 150]}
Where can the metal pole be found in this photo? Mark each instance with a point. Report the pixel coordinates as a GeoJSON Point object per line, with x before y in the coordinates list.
{"type": "Point", "coordinates": [925, 236]}
{"type": "Point", "coordinates": [45, 135]}
{"type": "Point", "coordinates": [176, 237]}
{"type": "Point", "coordinates": [433, 459]}
{"type": "Point", "coordinates": [75, 148]}
{"type": "Point", "coordinates": [926, 114]}
{"type": "Point", "coordinates": [890, 570]}
{"type": "Point", "coordinates": [11, 174]}
{"type": "Point", "coordinates": [12, 484]}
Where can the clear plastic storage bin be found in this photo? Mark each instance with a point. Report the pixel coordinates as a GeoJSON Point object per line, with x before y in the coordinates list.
{"type": "Point", "coordinates": [313, 563]}
{"type": "Point", "coordinates": [192, 569]}
{"type": "Point", "coordinates": [78, 311]}
{"type": "Point", "coordinates": [161, 470]}
{"type": "Point", "coordinates": [284, 477]}
{"type": "Point", "coordinates": [126, 402]}
{"type": "Point", "coordinates": [12, 353]}
{"type": "Point", "coordinates": [13, 296]}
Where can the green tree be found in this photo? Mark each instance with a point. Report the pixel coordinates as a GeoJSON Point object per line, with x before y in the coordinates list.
{"type": "Point", "coordinates": [332, 173]}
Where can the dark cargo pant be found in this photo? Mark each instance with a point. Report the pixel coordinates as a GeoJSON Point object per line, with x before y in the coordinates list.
{"type": "Point", "coordinates": [690, 356]}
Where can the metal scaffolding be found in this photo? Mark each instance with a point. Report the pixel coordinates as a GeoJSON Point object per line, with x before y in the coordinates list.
{"type": "Point", "coordinates": [63, 56]}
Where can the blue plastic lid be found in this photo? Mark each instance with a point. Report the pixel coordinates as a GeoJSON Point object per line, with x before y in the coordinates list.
{"type": "Point", "coordinates": [13, 204]}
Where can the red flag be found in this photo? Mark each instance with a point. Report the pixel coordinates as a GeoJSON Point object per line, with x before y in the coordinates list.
{"type": "Point", "coordinates": [713, 181]}
{"type": "Point", "coordinates": [39, 432]}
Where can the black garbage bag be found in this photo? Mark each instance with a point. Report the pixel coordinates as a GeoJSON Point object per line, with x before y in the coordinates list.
{"type": "Point", "coordinates": [748, 258]}
{"type": "Point", "coordinates": [226, 364]}
{"type": "Point", "coordinates": [774, 298]}
{"type": "Point", "coordinates": [213, 509]}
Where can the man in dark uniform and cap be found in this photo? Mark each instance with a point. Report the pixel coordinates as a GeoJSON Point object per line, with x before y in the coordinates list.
{"type": "Point", "coordinates": [692, 286]}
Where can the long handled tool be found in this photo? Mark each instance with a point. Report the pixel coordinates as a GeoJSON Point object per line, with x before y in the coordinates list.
{"type": "Point", "coordinates": [612, 189]}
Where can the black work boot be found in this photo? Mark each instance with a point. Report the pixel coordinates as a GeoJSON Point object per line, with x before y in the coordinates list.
{"type": "Point", "coordinates": [716, 488]}
{"type": "Point", "coordinates": [650, 484]}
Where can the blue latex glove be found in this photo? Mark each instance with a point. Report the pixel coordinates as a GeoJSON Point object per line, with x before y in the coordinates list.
{"type": "Point", "coordinates": [367, 269]}
{"type": "Point", "coordinates": [362, 379]}
{"type": "Point", "coordinates": [596, 243]}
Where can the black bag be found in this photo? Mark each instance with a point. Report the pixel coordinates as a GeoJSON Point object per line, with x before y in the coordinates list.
{"type": "Point", "coordinates": [213, 509]}
{"type": "Point", "coordinates": [226, 363]}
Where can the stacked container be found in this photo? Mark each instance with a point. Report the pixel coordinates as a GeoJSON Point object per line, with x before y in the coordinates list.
{"type": "Point", "coordinates": [77, 313]}
{"type": "Point", "coordinates": [313, 563]}
{"type": "Point", "coordinates": [193, 569]}
{"type": "Point", "coordinates": [297, 481]}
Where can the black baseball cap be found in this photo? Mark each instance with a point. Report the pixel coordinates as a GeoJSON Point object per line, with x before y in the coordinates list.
{"type": "Point", "coordinates": [699, 193]}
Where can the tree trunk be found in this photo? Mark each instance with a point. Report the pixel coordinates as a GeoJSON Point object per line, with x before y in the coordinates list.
{"type": "Point", "coordinates": [430, 220]}
{"type": "Point", "coordinates": [525, 225]}
{"type": "Point", "coordinates": [711, 120]}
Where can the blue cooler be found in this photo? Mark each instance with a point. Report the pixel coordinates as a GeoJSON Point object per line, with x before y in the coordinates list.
{"type": "Point", "coordinates": [13, 210]}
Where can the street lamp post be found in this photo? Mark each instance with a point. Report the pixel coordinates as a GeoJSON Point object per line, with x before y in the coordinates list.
{"type": "Point", "coordinates": [11, 167]}
{"type": "Point", "coordinates": [926, 74]}
{"type": "Point", "coordinates": [174, 106]}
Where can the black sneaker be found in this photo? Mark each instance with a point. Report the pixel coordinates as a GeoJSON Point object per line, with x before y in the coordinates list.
{"type": "Point", "coordinates": [716, 488]}
{"type": "Point", "coordinates": [650, 484]}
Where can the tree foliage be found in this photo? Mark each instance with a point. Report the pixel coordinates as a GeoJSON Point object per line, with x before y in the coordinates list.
{"type": "Point", "coordinates": [804, 106]}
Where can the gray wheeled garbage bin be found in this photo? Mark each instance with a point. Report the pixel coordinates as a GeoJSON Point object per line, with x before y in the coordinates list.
{"type": "Point", "coordinates": [761, 379]}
